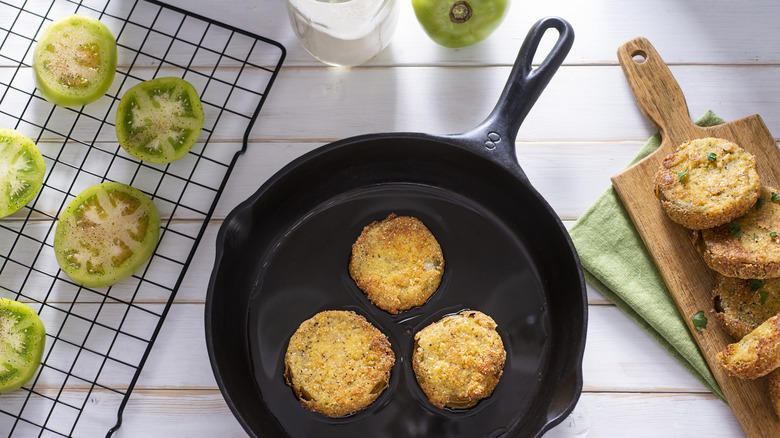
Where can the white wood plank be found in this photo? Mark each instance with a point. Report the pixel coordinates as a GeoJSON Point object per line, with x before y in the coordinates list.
{"type": "Point", "coordinates": [715, 34]}
{"type": "Point", "coordinates": [598, 415]}
{"type": "Point", "coordinates": [601, 415]}
{"type": "Point", "coordinates": [620, 356]}
{"type": "Point", "coordinates": [582, 103]}
{"type": "Point", "coordinates": [188, 412]}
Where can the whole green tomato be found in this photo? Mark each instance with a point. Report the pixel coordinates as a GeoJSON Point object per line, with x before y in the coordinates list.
{"type": "Point", "coordinates": [459, 23]}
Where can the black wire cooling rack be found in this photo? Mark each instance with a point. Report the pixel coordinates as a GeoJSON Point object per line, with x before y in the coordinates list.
{"type": "Point", "coordinates": [99, 339]}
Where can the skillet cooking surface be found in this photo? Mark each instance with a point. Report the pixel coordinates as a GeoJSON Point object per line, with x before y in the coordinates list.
{"type": "Point", "coordinates": [487, 268]}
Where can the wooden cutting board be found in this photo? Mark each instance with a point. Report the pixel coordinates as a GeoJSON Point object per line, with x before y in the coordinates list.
{"type": "Point", "coordinates": [689, 280]}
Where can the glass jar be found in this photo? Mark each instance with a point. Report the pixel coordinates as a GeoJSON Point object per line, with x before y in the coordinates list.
{"type": "Point", "coordinates": [343, 32]}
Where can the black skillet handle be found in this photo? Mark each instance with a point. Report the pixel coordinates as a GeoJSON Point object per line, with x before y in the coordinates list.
{"type": "Point", "coordinates": [498, 132]}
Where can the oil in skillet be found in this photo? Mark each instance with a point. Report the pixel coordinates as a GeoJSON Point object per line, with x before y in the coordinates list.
{"type": "Point", "coordinates": [488, 269]}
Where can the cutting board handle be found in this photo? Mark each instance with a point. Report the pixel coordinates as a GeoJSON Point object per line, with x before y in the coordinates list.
{"type": "Point", "coordinates": [655, 89]}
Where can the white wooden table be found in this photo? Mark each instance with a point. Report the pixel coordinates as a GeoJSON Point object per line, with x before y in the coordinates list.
{"type": "Point", "coordinates": [584, 128]}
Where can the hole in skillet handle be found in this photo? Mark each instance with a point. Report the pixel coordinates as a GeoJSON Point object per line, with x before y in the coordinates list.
{"type": "Point", "coordinates": [496, 135]}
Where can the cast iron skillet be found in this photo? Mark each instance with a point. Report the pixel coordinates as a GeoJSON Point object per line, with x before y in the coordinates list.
{"type": "Point", "coordinates": [282, 256]}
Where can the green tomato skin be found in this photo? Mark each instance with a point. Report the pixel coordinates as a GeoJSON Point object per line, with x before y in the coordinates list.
{"type": "Point", "coordinates": [62, 95]}
{"type": "Point", "coordinates": [67, 227]}
{"type": "Point", "coordinates": [19, 366]}
{"type": "Point", "coordinates": [15, 148]}
{"type": "Point", "coordinates": [434, 16]}
{"type": "Point", "coordinates": [136, 136]}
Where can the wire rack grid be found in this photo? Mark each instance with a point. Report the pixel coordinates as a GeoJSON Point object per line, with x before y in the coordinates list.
{"type": "Point", "coordinates": [99, 339]}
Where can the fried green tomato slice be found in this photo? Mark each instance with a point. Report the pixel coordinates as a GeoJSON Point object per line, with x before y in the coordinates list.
{"type": "Point", "coordinates": [459, 359]}
{"type": "Point", "coordinates": [159, 120]}
{"type": "Point", "coordinates": [105, 234]}
{"type": "Point", "coordinates": [22, 340]}
{"type": "Point", "coordinates": [338, 363]}
{"type": "Point", "coordinates": [707, 182]}
{"type": "Point", "coordinates": [756, 354]}
{"type": "Point", "coordinates": [74, 62]}
{"type": "Point", "coordinates": [21, 171]}
{"type": "Point", "coordinates": [747, 247]}
{"type": "Point", "coordinates": [397, 262]}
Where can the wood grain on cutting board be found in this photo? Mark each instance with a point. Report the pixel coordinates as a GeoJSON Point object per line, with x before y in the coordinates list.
{"type": "Point", "coordinates": [686, 275]}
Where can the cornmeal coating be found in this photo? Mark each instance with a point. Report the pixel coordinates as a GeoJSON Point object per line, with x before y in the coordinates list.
{"type": "Point", "coordinates": [742, 305]}
{"type": "Point", "coordinates": [397, 263]}
{"type": "Point", "coordinates": [707, 182]}
{"type": "Point", "coordinates": [749, 246]}
{"type": "Point", "coordinates": [755, 355]}
{"type": "Point", "coordinates": [459, 359]}
{"type": "Point", "coordinates": [338, 363]}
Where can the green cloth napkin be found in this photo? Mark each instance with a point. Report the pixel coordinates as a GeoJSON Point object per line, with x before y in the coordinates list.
{"type": "Point", "coordinates": [618, 264]}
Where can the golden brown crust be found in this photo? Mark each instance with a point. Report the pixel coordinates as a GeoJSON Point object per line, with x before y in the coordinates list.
{"type": "Point", "coordinates": [742, 305]}
{"type": "Point", "coordinates": [459, 359]}
{"type": "Point", "coordinates": [707, 182]}
{"type": "Point", "coordinates": [337, 363]}
{"type": "Point", "coordinates": [749, 246]}
{"type": "Point", "coordinates": [756, 354]}
{"type": "Point", "coordinates": [397, 263]}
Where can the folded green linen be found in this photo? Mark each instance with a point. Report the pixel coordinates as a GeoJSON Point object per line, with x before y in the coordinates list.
{"type": "Point", "coordinates": [619, 266]}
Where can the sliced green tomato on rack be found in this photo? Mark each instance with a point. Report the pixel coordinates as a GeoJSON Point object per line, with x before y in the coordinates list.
{"type": "Point", "coordinates": [22, 340]}
{"type": "Point", "coordinates": [159, 120]}
{"type": "Point", "coordinates": [21, 171]}
{"type": "Point", "coordinates": [106, 234]}
{"type": "Point", "coordinates": [74, 62]}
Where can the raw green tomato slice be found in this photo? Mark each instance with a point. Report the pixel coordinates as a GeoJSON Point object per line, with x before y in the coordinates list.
{"type": "Point", "coordinates": [21, 170]}
{"type": "Point", "coordinates": [105, 234]}
{"type": "Point", "coordinates": [74, 61]}
{"type": "Point", "coordinates": [22, 339]}
{"type": "Point", "coordinates": [159, 120]}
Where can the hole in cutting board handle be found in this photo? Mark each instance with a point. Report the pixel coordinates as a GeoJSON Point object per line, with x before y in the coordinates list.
{"type": "Point", "coordinates": [639, 56]}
